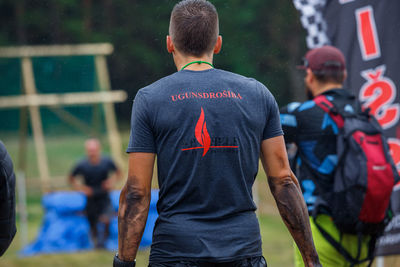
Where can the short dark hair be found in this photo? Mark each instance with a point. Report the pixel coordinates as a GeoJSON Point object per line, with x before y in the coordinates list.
{"type": "Point", "coordinates": [330, 76]}
{"type": "Point", "coordinates": [194, 27]}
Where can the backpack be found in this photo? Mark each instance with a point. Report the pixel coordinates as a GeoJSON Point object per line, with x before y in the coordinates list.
{"type": "Point", "coordinates": [364, 177]}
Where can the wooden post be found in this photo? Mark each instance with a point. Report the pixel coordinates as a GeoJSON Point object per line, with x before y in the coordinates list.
{"type": "Point", "coordinates": [66, 99]}
{"type": "Point", "coordinates": [71, 119]}
{"type": "Point", "coordinates": [23, 134]}
{"type": "Point", "coordinates": [109, 112]}
{"type": "Point", "coordinates": [56, 50]}
{"type": "Point", "coordinates": [30, 89]}
{"type": "Point", "coordinates": [22, 210]}
{"type": "Point", "coordinates": [380, 262]}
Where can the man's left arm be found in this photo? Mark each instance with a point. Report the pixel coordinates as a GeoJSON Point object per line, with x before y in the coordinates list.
{"type": "Point", "coordinates": [134, 205]}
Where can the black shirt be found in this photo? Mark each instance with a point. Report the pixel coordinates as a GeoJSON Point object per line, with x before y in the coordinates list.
{"type": "Point", "coordinates": [94, 175]}
{"type": "Point", "coordinates": [314, 133]}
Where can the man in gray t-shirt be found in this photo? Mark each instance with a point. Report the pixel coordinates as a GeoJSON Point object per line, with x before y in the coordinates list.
{"type": "Point", "coordinates": [208, 128]}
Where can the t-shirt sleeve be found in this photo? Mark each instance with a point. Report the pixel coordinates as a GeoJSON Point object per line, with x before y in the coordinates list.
{"type": "Point", "coordinates": [77, 170]}
{"type": "Point", "coordinates": [111, 165]}
{"type": "Point", "coordinates": [289, 121]}
{"type": "Point", "coordinates": [273, 126]}
{"type": "Point", "coordinates": [142, 138]}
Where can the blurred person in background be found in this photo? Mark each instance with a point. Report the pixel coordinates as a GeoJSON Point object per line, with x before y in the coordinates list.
{"type": "Point", "coordinates": [99, 174]}
{"type": "Point", "coordinates": [305, 125]}
{"type": "Point", "coordinates": [208, 128]}
{"type": "Point", "coordinates": [7, 200]}
{"type": "Point", "coordinates": [313, 131]}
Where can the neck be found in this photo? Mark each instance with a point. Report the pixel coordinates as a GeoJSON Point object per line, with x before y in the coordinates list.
{"type": "Point", "coordinates": [181, 61]}
{"type": "Point", "coordinates": [322, 89]}
{"type": "Point", "coordinates": [94, 160]}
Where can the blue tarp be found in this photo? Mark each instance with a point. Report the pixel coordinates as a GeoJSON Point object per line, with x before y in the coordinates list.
{"type": "Point", "coordinates": [65, 228]}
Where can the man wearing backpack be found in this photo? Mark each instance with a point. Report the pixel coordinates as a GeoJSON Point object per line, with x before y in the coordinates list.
{"type": "Point", "coordinates": [341, 155]}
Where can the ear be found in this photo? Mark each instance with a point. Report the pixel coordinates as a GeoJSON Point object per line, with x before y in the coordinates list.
{"type": "Point", "coordinates": [309, 75]}
{"type": "Point", "coordinates": [170, 45]}
{"type": "Point", "coordinates": [344, 75]}
{"type": "Point", "coordinates": [218, 45]}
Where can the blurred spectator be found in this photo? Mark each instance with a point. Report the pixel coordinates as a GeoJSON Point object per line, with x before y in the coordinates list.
{"type": "Point", "coordinates": [7, 200]}
{"type": "Point", "coordinates": [315, 134]}
{"type": "Point", "coordinates": [99, 175]}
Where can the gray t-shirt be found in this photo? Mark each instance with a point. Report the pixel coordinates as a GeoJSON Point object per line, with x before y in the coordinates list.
{"type": "Point", "coordinates": [206, 128]}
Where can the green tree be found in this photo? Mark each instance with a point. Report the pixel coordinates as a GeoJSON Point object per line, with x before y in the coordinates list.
{"type": "Point", "coordinates": [262, 38]}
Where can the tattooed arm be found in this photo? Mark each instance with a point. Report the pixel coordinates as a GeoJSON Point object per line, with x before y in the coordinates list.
{"type": "Point", "coordinates": [134, 204]}
{"type": "Point", "coordinates": [287, 193]}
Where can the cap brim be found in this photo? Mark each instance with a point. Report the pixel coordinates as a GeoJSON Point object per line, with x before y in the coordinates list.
{"type": "Point", "coordinates": [301, 67]}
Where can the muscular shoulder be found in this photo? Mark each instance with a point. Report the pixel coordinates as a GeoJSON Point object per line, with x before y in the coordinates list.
{"type": "Point", "coordinates": [306, 116]}
{"type": "Point", "coordinates": [82, 163]}
{"type": "Point", "coordinates": [231, 76]}
{"type": "Point", "coordinates": [159, 92]}
{"type": "Point", "coordinates": [158, 85]}
{"type": "Point", "coordinates": [242, 81]}
{"type": "Point", "coordinates": [107, 162]}
{"type": "Point", "coordinates": [307, 108]}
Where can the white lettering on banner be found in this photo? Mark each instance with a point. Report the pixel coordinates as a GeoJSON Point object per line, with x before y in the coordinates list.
{"type": "Point", "coordinates": [378, 93]}
{"type": "Point", "coordinates": [367, 33]}
{"type": "Point", "coordinates": [345, 1]}
{"type": "Point", "coordinates": [389, 240]}
{"type": "Point", "coordinates": [394, 224]}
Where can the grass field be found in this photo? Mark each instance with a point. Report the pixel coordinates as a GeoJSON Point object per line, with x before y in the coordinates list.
{"type": "Point", "coordinates": [63, 152]}
{"type": "Point", "coordinates": [276, 245]}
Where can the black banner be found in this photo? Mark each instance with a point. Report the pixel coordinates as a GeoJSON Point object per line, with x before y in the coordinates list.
{"type": "Point", "coordinates": [389, 243]}
{"type": "Point", "coordinates": [368, 34]}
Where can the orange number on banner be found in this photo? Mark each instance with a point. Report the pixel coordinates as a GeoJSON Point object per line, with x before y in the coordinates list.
{"type": "Point", "coordinates": [367, 34]}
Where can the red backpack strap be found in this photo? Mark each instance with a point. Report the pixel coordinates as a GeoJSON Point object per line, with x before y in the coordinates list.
{"type": "Point", "coordinates": [327, 106]}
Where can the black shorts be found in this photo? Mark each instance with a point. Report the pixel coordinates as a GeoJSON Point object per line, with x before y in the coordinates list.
{"type": "Point", "coordinates": [249, 262]}
{"type": "Point", "coordinates": [96, 207]}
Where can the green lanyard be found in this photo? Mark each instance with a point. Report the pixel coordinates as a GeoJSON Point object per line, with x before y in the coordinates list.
{"type": "Point", "coordinates": [199, 62]}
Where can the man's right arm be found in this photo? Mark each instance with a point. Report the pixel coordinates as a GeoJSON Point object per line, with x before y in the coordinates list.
{"type": "Point", "coordinates": [287, 193]}
{"type": "Point", "coordinates": [76, 185]}
{"type": "Point", "coordinates": [134, 204]}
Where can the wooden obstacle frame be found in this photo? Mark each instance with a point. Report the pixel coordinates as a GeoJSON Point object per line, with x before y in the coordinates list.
{"type": "Point", "coordinates": [31, 101]}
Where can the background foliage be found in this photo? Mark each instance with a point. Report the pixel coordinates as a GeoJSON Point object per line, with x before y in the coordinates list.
{"type": "Point", "coordinates": [262, 38]}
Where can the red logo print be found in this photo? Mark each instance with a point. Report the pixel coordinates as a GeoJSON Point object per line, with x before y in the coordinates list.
{"type": "Point", "coordinates": [201, 133]}
{"type": "Point", "coordinates": [203, 137]}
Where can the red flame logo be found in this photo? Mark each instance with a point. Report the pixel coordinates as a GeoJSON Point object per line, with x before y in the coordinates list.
{"type": "Point", "coordinates": [201, 133]}
{"type": "Point", "coordinates": [203, 137]}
